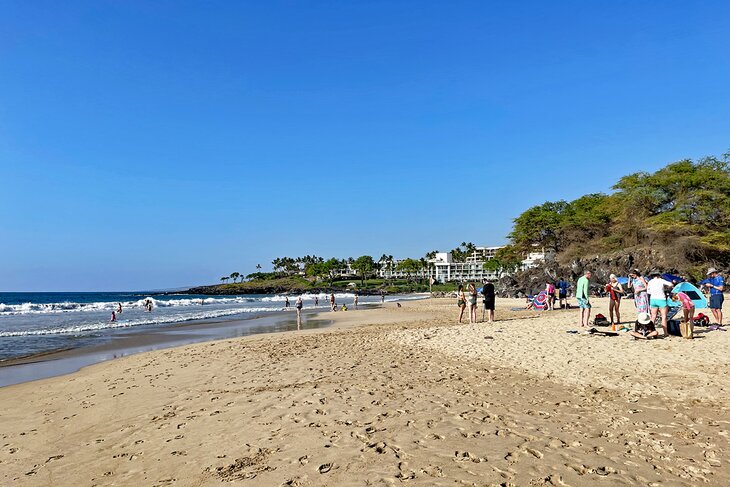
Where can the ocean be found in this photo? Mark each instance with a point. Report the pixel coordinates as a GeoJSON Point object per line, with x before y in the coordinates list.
{"type": "Point", "coordinates": [37, 323]}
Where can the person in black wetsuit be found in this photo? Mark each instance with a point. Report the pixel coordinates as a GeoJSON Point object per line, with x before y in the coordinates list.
{"type": "Point", "coordinates": [488, 293]}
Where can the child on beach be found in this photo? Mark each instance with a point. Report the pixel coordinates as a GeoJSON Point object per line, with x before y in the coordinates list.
{"type": "Point", "coordinates": [644, 327]}
{"type": "Point", "coordinates": [688, 309]}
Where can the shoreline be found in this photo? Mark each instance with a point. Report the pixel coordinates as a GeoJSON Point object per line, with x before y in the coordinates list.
{"type": "Point", "coordinates": [131, 341]}
{"type": "Point", "coordinates": [67, 361]}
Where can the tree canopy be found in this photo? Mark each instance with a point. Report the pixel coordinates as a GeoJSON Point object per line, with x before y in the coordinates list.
{"type": "Point", "coordinates": [687, 198]}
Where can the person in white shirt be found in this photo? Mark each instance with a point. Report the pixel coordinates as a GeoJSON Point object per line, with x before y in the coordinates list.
{"type": "Point", "coordinates": [657, 289]}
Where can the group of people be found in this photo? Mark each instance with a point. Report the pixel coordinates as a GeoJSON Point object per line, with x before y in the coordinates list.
{"type": "Point", "coordinates": [147, 304]}
{"type": "Point", "coordinates": [488, 299]}
{"type": "Point", "coordinates": [116, 312]}
{"type": "Point", "coordinates": [556, 293]}
{"type": "Point", "coordinates": [652, 299]}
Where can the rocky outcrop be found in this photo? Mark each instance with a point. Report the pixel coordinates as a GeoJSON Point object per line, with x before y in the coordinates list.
{"type": "Point", "coordinates": [533, 280]}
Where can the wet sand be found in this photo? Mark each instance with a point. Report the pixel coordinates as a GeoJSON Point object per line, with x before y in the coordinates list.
{"type": "Point", "coordinates": [61, 362]}
{"type": "Point", "coordinates": [385, 397]}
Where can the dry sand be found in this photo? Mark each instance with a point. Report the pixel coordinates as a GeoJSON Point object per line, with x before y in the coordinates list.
{"type": "Point", "coordinates": [410, 398]}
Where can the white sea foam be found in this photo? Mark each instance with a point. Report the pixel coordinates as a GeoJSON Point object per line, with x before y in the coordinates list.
{"type": "Point", "coordinates": [280, 298]}
{"type": "Point", "coordinates": [147, 320]}
{"type": "Point", "coordinates": [62, 307]}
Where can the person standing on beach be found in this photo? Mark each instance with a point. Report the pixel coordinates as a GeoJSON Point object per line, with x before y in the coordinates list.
{"type": "Point", "coordinates": [488, 293]}
{"type": "Point", "coordinates": [582, 294]}
{"type": "Point", "coordinates": [550, 291]}
{"type": "Point", "coordinates": [472, 303]}
{"type": "Point", "coordinates": [638, 283]}
{"type": "Point", "coordinates": [716, 284]}
{"type": "Point", "coordinates": [657, 289]}
{"type": "Point", "coordinates": [316, 300]}
{"type": "Point", "coordinates": [332, 302]}
{"type": "Point", "coordinates": [114, 317]}
{"type": "Point", "coordinates": [461, 301]}
{"type": "Point", "coordinates": [299, 305]}
{"type": "Point", "coordinates": [286, 301]}
{"type": "Point", "coordinates": [563, 286]}
{"type": "Point", "coordinates": [614, 290]}
{"type": "Point", "coordinates": [382, 297]}
{"type": "Point", "coordinates": [354, 301]}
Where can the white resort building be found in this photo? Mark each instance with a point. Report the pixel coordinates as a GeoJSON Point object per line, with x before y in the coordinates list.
{"type": "Point", "coordinates": [442, 268]}
{"type": "Point", "coordinates": [446, 270]}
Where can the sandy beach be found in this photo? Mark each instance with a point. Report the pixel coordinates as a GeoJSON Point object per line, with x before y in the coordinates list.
{"type": "Point", "coordinates": [384, 397]}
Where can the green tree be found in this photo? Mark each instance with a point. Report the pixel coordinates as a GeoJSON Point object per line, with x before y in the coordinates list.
{"type": "Point", "coordinates": [506, 259]}
{"type": "Point", "coordinates": [235, 275]}
{"type": "Point", "coordinates": [409, 266]}
{"type": "Point", "coordinates": [539, 225]}
{"type": "Point", "coordinates": [363, 265]}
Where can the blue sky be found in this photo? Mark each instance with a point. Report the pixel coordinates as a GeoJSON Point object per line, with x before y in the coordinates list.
{"type": "Point", "coordinates": [167, 143]}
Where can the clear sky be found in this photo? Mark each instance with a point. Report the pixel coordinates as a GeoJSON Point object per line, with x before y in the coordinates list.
{"type": "Point", "coordinates": [158, 144]}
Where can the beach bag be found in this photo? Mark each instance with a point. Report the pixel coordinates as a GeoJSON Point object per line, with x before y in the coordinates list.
{"type": "Point", "coordinates": [687, 329]}
{"type": "Point", "coordinates": [600, 320]}
{"type": "Point", "coordinates": [673, 328]}
{"type": "Point", "coordinates": [701, 320]}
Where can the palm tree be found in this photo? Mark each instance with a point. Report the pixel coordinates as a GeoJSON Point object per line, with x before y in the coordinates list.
{"type": "Point", "coordinates": [234, 276]}
{"type": "Point", "coordinates": [424, 266]}
{"type": "Point", "coordinates": [258, 267]}
{"type": "Point", "coordinates": [224, 279]}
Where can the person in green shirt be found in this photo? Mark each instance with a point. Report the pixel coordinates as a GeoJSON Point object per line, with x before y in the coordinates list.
{"type": "Point", "coordinates": [582, 294]}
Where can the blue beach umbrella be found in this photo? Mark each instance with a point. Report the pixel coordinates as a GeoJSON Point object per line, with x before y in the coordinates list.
{"type": "Point", "coordinates": [672, 278]}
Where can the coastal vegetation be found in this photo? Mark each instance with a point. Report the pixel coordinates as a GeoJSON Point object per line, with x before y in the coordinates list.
{"type": "Point", "coordinates": [680, 214]}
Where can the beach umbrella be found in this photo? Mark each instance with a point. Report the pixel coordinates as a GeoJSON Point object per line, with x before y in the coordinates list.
{"type": "Point", "coordinates": [540, 301]}
{"type": "Point", "coordinates": [672, 278]}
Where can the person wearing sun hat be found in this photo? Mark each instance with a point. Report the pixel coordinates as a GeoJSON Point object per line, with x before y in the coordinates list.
{"type": "Point", "coordinates": [657, 289]}
{"type": "Point", "coordinates": [644, 327]}
{"type": "Point", "coordinates": [716, 284]}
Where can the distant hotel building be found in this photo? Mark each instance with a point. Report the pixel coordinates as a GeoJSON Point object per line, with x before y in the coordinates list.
{"type": "Point", "coordinates": [443, 268]}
